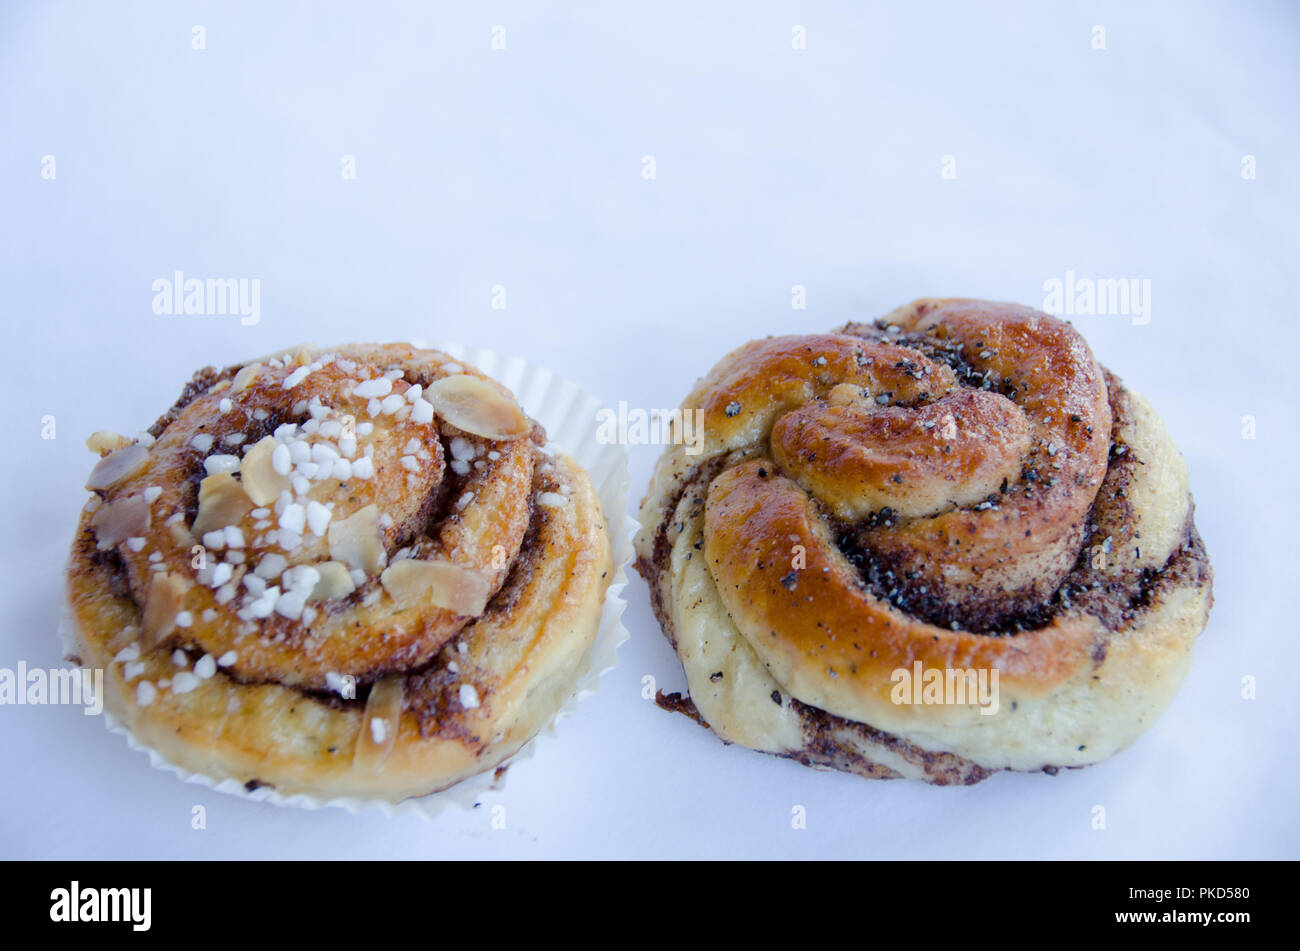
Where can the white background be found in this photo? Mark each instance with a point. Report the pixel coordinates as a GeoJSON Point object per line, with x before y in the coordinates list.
{"type": "Point", "coordinates": [775, 167]}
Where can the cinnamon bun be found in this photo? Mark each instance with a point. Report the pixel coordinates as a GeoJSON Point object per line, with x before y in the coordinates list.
{"type": "Point", "coordinates": [355, 572]}
{"type": "Point", "coordinates": [937, 545]}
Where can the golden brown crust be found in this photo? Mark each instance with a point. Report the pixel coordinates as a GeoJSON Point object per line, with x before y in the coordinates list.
{"type": "Point", "coordinates": [463, 689]}
{"type": "Point", "coordinates": [764, 561]}
{"type": "Point", "coordinates": [821, 633]}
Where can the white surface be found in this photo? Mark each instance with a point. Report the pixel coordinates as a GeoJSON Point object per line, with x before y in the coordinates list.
{"type": "Point", "coordinates": [775, 167]}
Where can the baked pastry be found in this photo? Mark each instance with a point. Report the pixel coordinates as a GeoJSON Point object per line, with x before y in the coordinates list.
{"type": "Point", "coordinates": [351, 572]}
{"type": "Point", "coordinates": [935, 546]}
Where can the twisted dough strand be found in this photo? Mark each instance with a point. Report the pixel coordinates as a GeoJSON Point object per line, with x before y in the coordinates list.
{"type": "Point", "coordinates": [920, 490]}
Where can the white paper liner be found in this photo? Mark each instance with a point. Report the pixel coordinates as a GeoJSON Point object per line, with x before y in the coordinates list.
{"type": "Point", "coordinates": [570, 418]}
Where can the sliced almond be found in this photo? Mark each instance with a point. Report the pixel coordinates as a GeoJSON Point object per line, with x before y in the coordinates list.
{"type": "Point", "coordinates": [181, 535]}
{"type": "Point", "coordinates": [222, 502]}
{"type": "Point", "coordinates": [119, 520]}
{"type": "Point", "coordinates": [104, 441]}
{"type": "Point", "coordinates": [118, 466]}
{"type": "Point", "coordinates": [454, 588]}
{"type": "Point", "coordinates": [245, 377]}
{"type": "Point", "coordinates": [357, 540]}
{"type": "Point", "coordinates": [164, 601]}
{"type": "Point", "coordinates": [335, 581]}
{"type": "Point", "coordinates": [260, 480]}
{"type": "Point", "coordinates": [380, 723]}
{"type": "Point", "coordinates": [477, 407]}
